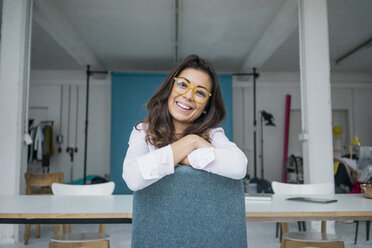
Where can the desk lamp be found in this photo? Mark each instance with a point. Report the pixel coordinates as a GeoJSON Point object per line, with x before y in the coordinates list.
{"type": "Point", "coordinates": [268, 120]}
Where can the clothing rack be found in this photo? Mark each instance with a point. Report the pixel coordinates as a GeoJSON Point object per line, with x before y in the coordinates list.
{"type": "Point", "coordinates": [45, 157]}
{"type": "Point", "coordinates": [47, 122]}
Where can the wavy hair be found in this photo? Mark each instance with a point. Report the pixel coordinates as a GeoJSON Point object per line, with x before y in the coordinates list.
{"type": "Point", "coordinates": [159, 123]}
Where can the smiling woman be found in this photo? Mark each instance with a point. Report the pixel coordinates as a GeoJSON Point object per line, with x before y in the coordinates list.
{"type": "Point", "coordinates": [187, 101]}
{"type": "Point", "coordinates": [182, 128]}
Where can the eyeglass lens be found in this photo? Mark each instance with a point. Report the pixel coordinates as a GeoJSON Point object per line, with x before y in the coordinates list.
{"type": "Point", "coordinates": [182, 86]}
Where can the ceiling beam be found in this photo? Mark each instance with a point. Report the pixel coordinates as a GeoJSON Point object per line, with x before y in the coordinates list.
{"type": "Point", "coordinates": [56, 25]}
{"type": "Point", "coordinates": [280, 28]}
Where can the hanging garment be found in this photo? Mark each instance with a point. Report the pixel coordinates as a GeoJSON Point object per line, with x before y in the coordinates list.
{"type": "Point", "coordinates": [32, 145]}
{"type": "Point", "coordinates": [47, 146]}
{"type": "Point", "coordinates": [48, 141]}
{"type": "Point", "coordinates": [342, 177]}
{"type": "Point", "coordinates": [38, 146]}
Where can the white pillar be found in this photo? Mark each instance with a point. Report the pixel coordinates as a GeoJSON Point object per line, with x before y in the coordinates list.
{"type": "Point", "coordinates": [14, 71]}
{"type": "Point", "coordinates": [315, 92]}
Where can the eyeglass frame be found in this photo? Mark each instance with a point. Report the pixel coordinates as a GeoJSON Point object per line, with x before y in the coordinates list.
{"type": "Point", "coordinates": [192, 88]}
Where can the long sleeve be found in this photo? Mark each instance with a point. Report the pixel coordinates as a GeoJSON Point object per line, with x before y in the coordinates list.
{"type": "Point", "coordinates": [225, 159]}
{"type": "Point", "coordinates": [143, 165]}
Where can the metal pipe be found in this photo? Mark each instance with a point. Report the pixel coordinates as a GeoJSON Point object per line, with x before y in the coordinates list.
{"type": "Point", "coordinates": [262, 150]}
{"type": "Point", "coordinates": [86, 124]}
{"type": "Point", "coordinates": [255, 76]}
{"type": "Point", "coordinates": [254, 124]}
{"type": "Point", "coordinates": [354, 50]}
{"type": "Point", "coordinates": [88, 73]}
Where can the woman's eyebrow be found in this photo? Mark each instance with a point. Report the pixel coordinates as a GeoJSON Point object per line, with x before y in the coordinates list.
{"type": "Point", "coordinates": [186, 80]}
{"type": "Point", "coordinates": [200, 86]}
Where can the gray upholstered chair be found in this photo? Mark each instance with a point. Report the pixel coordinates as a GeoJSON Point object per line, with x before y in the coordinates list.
{"type": "Point", "coordinates": [190, 208]}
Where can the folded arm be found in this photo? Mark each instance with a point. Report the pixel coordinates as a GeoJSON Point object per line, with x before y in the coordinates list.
{"type": "Point", "coordinates": [225, 159]}
{"type": "Point", "coordinates": [143, 165]}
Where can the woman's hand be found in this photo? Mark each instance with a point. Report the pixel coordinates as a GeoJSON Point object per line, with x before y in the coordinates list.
{"type": "Point", "coordinates": [184, 146]}
{"type": "Point", "coordinates": [185, 161]}
{"type": "Point", "coordinates": [198, 141]}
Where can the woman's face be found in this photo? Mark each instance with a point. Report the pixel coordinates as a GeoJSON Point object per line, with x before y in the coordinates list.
{"type": "Point", "coordinates": [183, 108]}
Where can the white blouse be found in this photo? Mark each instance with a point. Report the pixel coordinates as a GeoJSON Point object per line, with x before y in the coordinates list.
{"type": "Point", "coordinates": [144, 164]}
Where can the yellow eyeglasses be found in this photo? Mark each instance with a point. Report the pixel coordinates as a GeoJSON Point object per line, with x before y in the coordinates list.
{"type": "Point", "coordinates": [182, 86]}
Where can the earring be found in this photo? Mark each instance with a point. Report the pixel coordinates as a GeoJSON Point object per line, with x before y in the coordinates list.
{"type": "Point", "coordinates": [204, 112]}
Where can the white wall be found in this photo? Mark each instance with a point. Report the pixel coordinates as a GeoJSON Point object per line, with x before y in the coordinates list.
{"type": "Point", "coordinates": [45, 96]}
{"type": "Point", "coordinates": [351, 94]}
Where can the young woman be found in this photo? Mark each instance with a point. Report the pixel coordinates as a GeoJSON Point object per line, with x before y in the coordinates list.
{"type": "Point", "coordinates": [182, 128]}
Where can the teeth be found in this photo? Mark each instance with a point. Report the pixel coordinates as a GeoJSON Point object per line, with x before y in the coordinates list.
{"type": "Point", "coordinates": [183, 106]}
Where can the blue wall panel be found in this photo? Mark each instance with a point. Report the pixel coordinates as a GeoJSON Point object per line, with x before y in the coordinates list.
{"type": "Point", "coordinates": [130, 92]}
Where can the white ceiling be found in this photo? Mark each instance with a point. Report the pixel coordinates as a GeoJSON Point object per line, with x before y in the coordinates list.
{"type": "Point", "coordinates": [235, 35]}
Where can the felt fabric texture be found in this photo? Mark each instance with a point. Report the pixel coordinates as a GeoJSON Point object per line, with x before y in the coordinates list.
{"type": "Point", "coordinates": [190, 208]}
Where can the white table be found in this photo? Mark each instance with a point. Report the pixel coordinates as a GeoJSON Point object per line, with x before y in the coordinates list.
{"type": "Point", "coordinates": [30, 209]}
{"type": "Point", "coordinates": [347, 207]}
{"type": "Point", "coordinates": [37, 209]}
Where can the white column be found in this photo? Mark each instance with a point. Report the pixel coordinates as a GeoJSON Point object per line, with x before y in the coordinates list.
{"type": "Point", "coordinates": [14, 66]}
{"type": "Point", "coordinates": [315, 92]}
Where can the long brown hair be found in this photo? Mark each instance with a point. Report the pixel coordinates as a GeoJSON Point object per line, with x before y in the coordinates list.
{"type": "Point", "coordinates": [159, 122]}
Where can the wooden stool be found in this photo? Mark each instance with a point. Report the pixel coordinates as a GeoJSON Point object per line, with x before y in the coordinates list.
{"type": "Point", "coordinates": [40, 184]}
{"type": "Point", "coordinates": [75, 240]}
{"type": "Point", "coordinates": [311, 239]}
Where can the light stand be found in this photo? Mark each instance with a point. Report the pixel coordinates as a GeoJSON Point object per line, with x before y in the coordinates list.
{"type": "Point", "coordinates": [89, 73]}
{"type": "Point", "coordinates": [268, 118]}
{"type": "Point", "coordinates": [255, 76]}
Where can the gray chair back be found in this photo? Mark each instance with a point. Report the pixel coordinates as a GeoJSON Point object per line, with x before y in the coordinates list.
{"type": "Point", "coordinates": [190, 208]}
